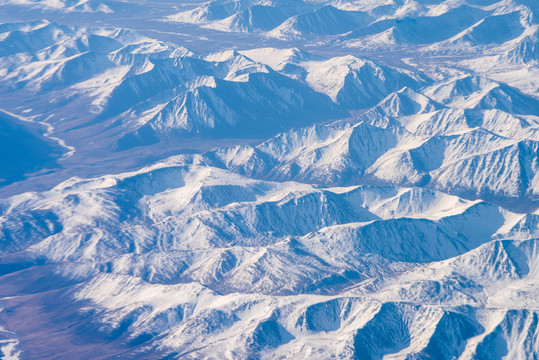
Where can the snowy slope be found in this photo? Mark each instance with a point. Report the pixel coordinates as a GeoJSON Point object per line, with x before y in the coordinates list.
{"type": "Point", "coordinates": [326, 20]}
{"type": "Point", "coordinates": [25, 148]}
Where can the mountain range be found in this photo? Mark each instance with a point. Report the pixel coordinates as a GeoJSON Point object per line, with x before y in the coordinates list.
{"type": "Point", "coordinates": [260, 179]}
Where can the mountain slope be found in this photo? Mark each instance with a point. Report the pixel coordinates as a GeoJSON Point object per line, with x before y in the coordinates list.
{"type": "Point", "coordinates": [25, 149]}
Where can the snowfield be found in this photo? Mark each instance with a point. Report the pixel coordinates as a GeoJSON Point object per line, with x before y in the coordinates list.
{"type": "Point", "coordinates": [269, 179]}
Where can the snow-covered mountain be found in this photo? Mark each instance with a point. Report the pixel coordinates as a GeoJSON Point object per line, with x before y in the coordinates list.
{"type": "Point", "coordinates": [349, 252]}
{"type": "Point", "coordinates": [326, 20]}
{"type": "Point", "coordinates": [269, 179]}
{"type": "Point", "coordinates": [139, 90]}
{"type": "Point", "coordinates": [84, 6]}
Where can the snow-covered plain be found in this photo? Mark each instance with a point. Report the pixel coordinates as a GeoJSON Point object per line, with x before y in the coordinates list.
{"type": "Point", "coordinates": [245, 179]}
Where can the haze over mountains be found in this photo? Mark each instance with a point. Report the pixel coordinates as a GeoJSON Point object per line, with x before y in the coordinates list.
{"type": "Point", "coordinates": [244, 179]}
